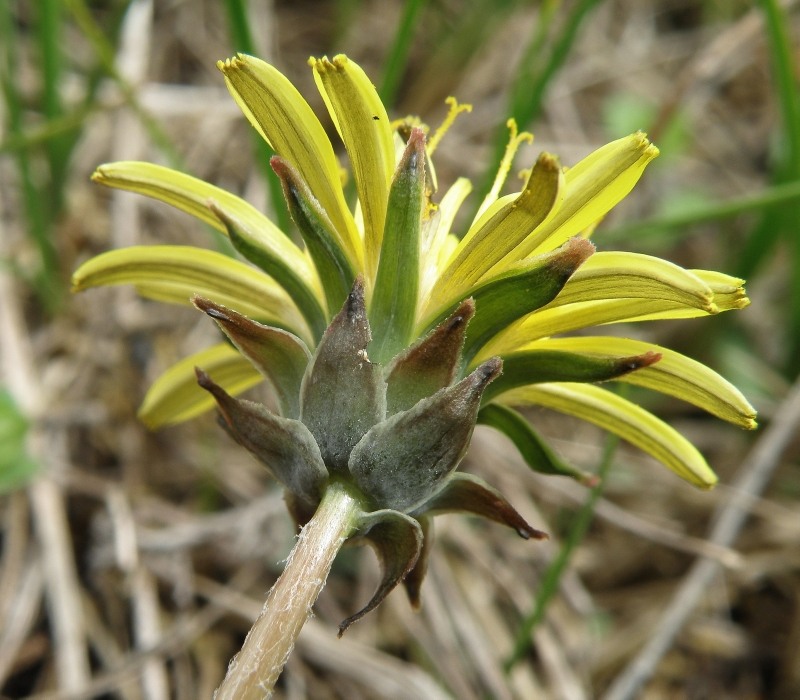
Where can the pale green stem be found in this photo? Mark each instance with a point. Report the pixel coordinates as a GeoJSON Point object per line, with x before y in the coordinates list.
{"type": "Point", "coordinates": [253, 672]}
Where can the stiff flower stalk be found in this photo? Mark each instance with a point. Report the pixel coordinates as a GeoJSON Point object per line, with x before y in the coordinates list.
{"type": "Point", "coordinates": [254, 671]}
{"type": "Point", "coordinates": [387, 336]}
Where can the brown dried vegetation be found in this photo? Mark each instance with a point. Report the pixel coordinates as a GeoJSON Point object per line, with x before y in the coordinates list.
{"type": "Point", "coordinates": [134, 565]}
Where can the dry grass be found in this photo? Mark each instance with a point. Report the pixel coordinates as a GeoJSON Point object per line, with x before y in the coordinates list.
{"type": "Point", "coordinates": [133, 567]}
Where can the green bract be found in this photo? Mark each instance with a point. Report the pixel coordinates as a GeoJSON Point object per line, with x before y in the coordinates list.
{"type": "Point", "coordinates": [383, 337]}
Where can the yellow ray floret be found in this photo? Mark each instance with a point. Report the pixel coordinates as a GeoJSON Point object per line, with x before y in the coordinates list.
{"type": "Point", "coordinates": [175, 273]}
{"type": "Point", "coordinates": [363, 125]}
{"type": "Point", "coordinates": [623, 418]}
{"type": "Point", "coordinates": [175, 396]}
{"type": "Point", "coordinates": [674, 375]}
{"type": "Point", "coordinates": [280, 114]}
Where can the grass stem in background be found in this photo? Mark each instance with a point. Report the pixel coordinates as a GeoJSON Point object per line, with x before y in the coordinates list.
{"type": "Point", "coordinates": [49, 24]}
{"type": "Point", "coordinates": [779, 222]}
{"type": "Point", "coordinates": [396, 61]}
{"type": "Point", "coordinates": [538, 67]}
{"type": "Point", "coordinates": [771, 196]}
{"type": "Point", "coordinates": [40, 134]}
{"type": "Point", "coordinates": [552, 577]}
{"type": "Point", "coordinates": [106, 55]}
{"type": "Point", "coordinates": [36, 206]}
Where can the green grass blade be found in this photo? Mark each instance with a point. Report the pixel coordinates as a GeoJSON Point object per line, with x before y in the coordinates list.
{"type": "Point", "coordinates": [42, 134]}
{"type": "Point", "coordinates": [345, 13]}
{"type": "Point", "coordinates": [17, 467]}
{"type": "Point", "coordinates": [777, 23]}
{"type": "Point", "coordinates": [397, 59]}
{"type": "Point", "coordinates": [58, 148]}
{"type": "Point", "coordinates": [35, 204]}
{"type": "Point", "coordinates": [104, 52]}
{"type": "Point", "coordinates": [458, 34]}
{"type": "Point", "coordinates": [782, 221]}
{"type": "Point", "coordinates": [539, 66]}
{"type": "Point", "coordinates": [239, 26]}
{"type": "Point", "coordinates": [783, 194]}
{"type": "Point", "coordinates": [535, 73]}
{"type": "Point", "coordinates": [552, 577]}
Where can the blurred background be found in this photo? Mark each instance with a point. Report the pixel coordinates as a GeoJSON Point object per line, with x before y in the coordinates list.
{"type": "Point", "coordinates": [134, 562]}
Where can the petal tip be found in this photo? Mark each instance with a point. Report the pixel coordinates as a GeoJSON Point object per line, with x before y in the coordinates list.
{"type": "Point", "coordinates": [708, 484]}
{"type": "Point", "coordinates": [234, 63]}
{"type": "Point", "coordinates": [548, 162]}
{"type": "Point", "coordinates": [649, 149]}
{"type": "Point", "coordinates": [225, 65]}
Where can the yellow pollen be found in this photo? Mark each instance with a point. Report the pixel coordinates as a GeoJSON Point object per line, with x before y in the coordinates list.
{"type": "Point", "coordinates": [515, 140]}
{"type": "Point", "coordinates": [430, 209]}
{"type": "Point", "coordinates": [452, 113]}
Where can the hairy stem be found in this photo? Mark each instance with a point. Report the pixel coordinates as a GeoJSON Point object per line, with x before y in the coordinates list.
{"type": "Point", "coordinates": [253, 672]}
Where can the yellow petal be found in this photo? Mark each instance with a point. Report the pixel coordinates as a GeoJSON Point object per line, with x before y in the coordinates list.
{"type": "Point", "coordinates": [175, 273]}
{"type": "Point", "coordinates": [592, 188]}
{"type": "Point", "coordinates": [632, 275]}
{"type": "Point", "coordinates": [271, 314]}
{"type": "Point", "coordinates": [363, 125]}
{"type": "Point", "coordinates": [280, 114]}
{"type": "Point", "coordinates": [435, 249]}
{"type": "Point", "coordinates": [553, 319]}
{"type": "Point", "coordinates": [175, 396]}
{"type": "Point", "coordinates": [499, 232]}
{"type": "Point", "coordinates": [658, 291]}
{"type": "Point", "coordinates": [195, 197]}
{"type": "Point", "coordinates": [623, 418]}
{"type": "Point", "coordinates": [729, 293]}
{"type": "Point", "coordinates": [447, 210]}
{"type": "Point", "coordinates": [674, 374]}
